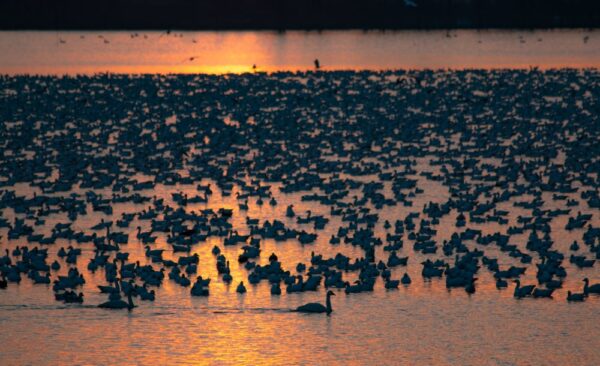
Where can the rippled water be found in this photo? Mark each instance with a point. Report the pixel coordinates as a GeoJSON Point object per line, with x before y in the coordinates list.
{"type": "Point", "coordinates": [220, 52]}
{"type": "Point", "coordinates": [423, 323]}
{"type": "Point", "coordinates": [420, 324]}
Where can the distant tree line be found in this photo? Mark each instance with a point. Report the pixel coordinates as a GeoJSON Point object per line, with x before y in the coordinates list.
{"type": "Point", "coordinates": [297, 14]}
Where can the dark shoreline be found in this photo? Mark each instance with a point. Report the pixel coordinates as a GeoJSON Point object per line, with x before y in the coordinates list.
{"type": "Point", "coordinates": [296, 15]}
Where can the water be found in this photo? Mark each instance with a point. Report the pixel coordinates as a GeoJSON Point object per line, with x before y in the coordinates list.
{"type": "Point", "coordinates": [420, 324]}
{"type": "Point", "coordinates": [222, 52]}
{"type": "Point", "coordinates": [423, 323]}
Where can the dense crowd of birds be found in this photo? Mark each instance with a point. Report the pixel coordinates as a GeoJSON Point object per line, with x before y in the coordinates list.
{"type": "Point", "coordinates": [346, 141]}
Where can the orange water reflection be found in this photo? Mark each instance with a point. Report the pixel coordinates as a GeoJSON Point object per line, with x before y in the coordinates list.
{"type": "Point", "coordinates": [422, 324]}
{"type": "Point", "coordinates": [237, 52]}
{"type": "Point", "coordinates": [257, 328]}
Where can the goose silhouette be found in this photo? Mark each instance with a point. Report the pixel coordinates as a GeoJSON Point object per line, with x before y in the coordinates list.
{"type": "Point", "coordinates": [119, 304]}
{"type": "Point", "coordinates": [590, 289]}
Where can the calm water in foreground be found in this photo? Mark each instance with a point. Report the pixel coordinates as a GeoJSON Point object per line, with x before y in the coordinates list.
{"type": "Point", "coordinates": [423, 323]}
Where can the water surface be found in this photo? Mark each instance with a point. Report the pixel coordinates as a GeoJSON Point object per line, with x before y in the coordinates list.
{"type": "Point", "coordinates": [223, 52]}
{"type": "Point", "coordinates": [421, 324]}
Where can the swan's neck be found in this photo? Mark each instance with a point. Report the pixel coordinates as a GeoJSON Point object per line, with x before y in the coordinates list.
{"type": "Point", "coordinates": [328, 304]}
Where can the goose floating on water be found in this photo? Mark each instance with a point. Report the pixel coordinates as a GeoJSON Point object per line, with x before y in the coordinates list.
{"type": "Point", "coordinates": [522, 291]}
{"type": "Point", "coordinates": [356, 203]}
{"type": "Point", "coordinates": [571, 297]}
{"type": "Point", "coordinates": [590, 289]}
{"type": "Point", "coordinates": [119, 304]}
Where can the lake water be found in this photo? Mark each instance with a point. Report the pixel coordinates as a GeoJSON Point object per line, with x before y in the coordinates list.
{"type": "Point", "coordinates": [423, 323]}
{"type": "Point", "coordinates": [223, 52]}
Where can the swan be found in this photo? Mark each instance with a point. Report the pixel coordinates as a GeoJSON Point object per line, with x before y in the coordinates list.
{"type": "Point", "coordinates": [315, 307]}
{"type": "Point", "coordinates": [119, 304]}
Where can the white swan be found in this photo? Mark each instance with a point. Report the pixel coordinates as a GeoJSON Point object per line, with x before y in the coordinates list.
{"type": "Point", "coordinates": [315, 307]}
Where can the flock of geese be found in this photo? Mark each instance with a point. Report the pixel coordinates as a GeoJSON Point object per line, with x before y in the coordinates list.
{"type": "Point", "coordinates": [255, 68]}
{"type": "Point", "coordinates": [513, 153]}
